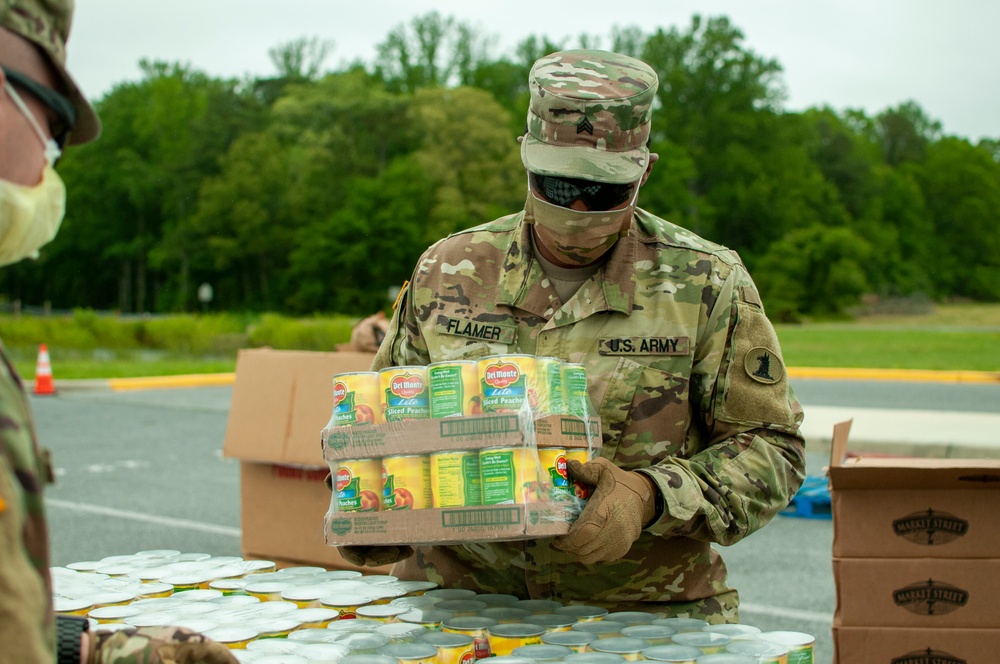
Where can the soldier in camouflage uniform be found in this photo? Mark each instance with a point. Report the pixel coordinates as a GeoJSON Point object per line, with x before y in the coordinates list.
{"type": "Point", "coordinates": [701, 438]}
{"type": "Point", "coordinates": [41, 110]}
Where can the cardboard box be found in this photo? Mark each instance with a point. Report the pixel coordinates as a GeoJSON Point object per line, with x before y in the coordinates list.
{"type": "Point", "coordinates": [281, 402]}
{"type": "Point", "coordinates": [901, 507]}
{"type": "Point", "coordinates": [455, 524]}
{"type": "Point", "coordinates": [918, 592]}
{"type": "Point", "coordinates": [882, 645]}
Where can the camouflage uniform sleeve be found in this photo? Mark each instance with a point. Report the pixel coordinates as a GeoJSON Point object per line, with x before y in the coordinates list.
{"type": "Point", "coordinates": [754, 459]}
{"type": "Point", "coordinates": [27, 624]}
{"type": "Point", "coordinates": [404, 343]}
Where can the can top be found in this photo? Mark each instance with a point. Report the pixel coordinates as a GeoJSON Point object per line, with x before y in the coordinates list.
{"type": "Point", "coordinates": [672, 653]}
{"type": "Point", "coordinates": [568, 638]}
{"type": "Point", "coordinates": [582, 611]}
{"type": "Point", "coordinates": [542, 652]}
{"type": "Point", "coordinates": [787, 638]}
{"type": "Point", "coordinates": [620, 645]}
{"type": "Point", "coordinates": [516, 630]}
{"type": "Point", "coordinates": [700, 639]}
{"type": "Point", "coordinates": [405, 651]}
{"type": "Point", "coordinates": [632, 617]}
{"type": "Point", "coordinates": [446, 639]}
{"type": "Point", "coordinates": [732, 629]}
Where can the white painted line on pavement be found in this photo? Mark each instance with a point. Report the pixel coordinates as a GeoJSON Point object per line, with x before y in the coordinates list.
{"type": "Point", "coordinates": [145, 518]}
{"type": "Point", "coordinates": [814, 617]}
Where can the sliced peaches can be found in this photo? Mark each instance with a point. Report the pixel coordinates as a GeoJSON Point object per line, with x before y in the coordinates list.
{"type": "Point", "coordinates": [507, 383]}
{"type": "Point", "coordinates": [358, 483]}
{"type": "Point", "coordinates": [455, 479]}
{"type": "Point", "coordinates": [406, 482]}
{"type": "Point", "coordinates": [356, 399]}
{"type": "Point", "coordinates": [509, 475]}
{"type": "Point", "coordinates": [404, 393]}
{"type": "Point", "coordinates": [552, 469]}
{"type": "Point", "coordinates": [549, 389]}
{"type": "Point", "coordinates": [454, 389]}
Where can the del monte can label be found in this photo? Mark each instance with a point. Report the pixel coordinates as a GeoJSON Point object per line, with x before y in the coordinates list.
{"type": "Point", "coordinates": [506, 380]}
{"type": "Point", "coordinates": [404, 393]}
{"type": "Point", "coordinates": [358, 483]}
{"type": "Point", "coordinates": [355, 399]}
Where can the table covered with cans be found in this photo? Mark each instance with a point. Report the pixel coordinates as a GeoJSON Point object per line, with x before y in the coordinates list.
{"type": "Point", "coordinates": [302, 614]}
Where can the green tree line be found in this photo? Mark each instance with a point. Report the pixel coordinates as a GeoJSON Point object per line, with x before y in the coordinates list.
{"type": "Point", "coordinates": [315, 191]}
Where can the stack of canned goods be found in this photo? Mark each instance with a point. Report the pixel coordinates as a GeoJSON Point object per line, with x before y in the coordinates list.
{"type": "Point", "coordinates": [459, 478]}
{"type": "Point", "coordinates": [495, 384]}
{"type": "Point", "coordinates": [462, 478]}
{"type": "Point", "coordinates": [309, 614]}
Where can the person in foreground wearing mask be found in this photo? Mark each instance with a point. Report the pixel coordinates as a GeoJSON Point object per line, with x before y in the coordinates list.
{"type": "Point", "coordinates": [701, 439]}
{"type": "Point", "coordinates": [42, 111]}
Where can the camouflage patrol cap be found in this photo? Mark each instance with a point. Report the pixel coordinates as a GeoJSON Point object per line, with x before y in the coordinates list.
{"type": "Point", "coordinates": [589, 116]}
{"type": "Point", "coordinates": [46, 23]}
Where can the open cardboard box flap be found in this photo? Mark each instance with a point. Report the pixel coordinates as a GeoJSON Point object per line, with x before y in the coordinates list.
{"type": "Point", "coordinates": [899, 472]}
{"type": "Point", "coordinates": [281, 402]}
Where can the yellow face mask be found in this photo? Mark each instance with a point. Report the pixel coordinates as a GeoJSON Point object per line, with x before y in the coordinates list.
{"type": "Point", "coordinates": [30, 216]}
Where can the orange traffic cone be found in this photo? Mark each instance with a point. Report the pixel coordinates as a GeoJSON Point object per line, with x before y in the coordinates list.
{"type": "Point", "coordinates": [43, 373]}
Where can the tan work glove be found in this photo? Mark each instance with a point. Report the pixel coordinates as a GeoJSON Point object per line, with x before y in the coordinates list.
{"type": "Point", "coordinates": [157, 645]}
{"type": "Point", "coordinates": [374, 556]}
{"type": "Point", "coordinates": [622, 504]}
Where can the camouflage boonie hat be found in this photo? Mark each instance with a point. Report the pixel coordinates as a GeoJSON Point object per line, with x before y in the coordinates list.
{"type": "Point", "coordinates": [46, 23]}
{"type": "Point", "coordinates": [589, 116]}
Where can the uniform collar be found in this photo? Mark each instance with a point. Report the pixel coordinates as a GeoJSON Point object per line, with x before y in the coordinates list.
{"type": "Point", "coordinates": [612, 288]}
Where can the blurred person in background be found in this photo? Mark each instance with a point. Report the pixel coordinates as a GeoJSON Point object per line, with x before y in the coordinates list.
{"type": "Point", "coordinates": [41, 112]}
{"type": "Point", "coordinates": [700, 427]}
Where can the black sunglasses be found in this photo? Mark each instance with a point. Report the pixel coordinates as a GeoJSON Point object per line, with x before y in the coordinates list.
{"type": "Point", "coordinates": [65, 114]}
{"type": "Point", "coordinates": [596, 195]}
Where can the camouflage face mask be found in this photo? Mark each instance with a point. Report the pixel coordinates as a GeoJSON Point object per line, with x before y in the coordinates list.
{"type": "Point", "coordinates": [577, 238]}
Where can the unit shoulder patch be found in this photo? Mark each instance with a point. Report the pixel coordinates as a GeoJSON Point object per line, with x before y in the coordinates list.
{"type": "Point", "coordinates": [764, 365]}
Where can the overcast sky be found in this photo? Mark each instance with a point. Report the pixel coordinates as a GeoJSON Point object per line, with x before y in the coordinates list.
{"type": "Point", "coordinates": [868, 54]}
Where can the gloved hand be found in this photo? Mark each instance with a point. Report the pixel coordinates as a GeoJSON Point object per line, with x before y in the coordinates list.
{"type": "Point", "coordinates": [157, 645]}
{"type": "Point", "coordinates": [623, 503]}
{"type": "Point", "coordinates": [375, 556]}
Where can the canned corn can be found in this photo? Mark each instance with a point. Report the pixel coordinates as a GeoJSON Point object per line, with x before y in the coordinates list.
{"type": "Point", "coordinates": [509, 475]}
{"type": "Point", "coordinates": [359, 485]}
{"type": "Point", "coordinates": [346, 605]}
{"type": "Point", "coordinates": [455, 479]}
{"type": "Point", "coordinates": [674, 654]}
{"type": "Point", "coordinates": [709, 643]}
{"type": "Point", "coordinates": [799, 644]}
{"type": "Point", "coordinates": [576, 641]}
{"type": "Point", "coordinates": [406, 482]}
{"type": "Point", "coordinates": [454, 389]}
{"type": "Point", "coordinates": [549, 387]}
{"type": "Point", "coordinates": [235, 638]}
{"type": "Point", "coordinates": [411, 653]}
{"type": "Point", "coordinates": [629, 648]}
{"type": "Point", "coordinates": [765, 652]}
{"type": "Point", "coordinates": [574, 381]}
{"type": "Point", "coordinates": [552, 468]}
{"type": "Point", "coordinates": [453, 648]}
{"type": "Point", "coordinates": [506, 382]}
{"type": "Point", "coordinates": [404, 393]}
{"type": "Point", "coordinates": [356, 399]}
{"type": "Point", "coordinates": [504, 638]}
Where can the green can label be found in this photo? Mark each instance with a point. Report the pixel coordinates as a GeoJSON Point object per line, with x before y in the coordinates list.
{"type": "Point", "coordinates": [574, 378]}
{"type": "Point", "coordinates": [454, 389]}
